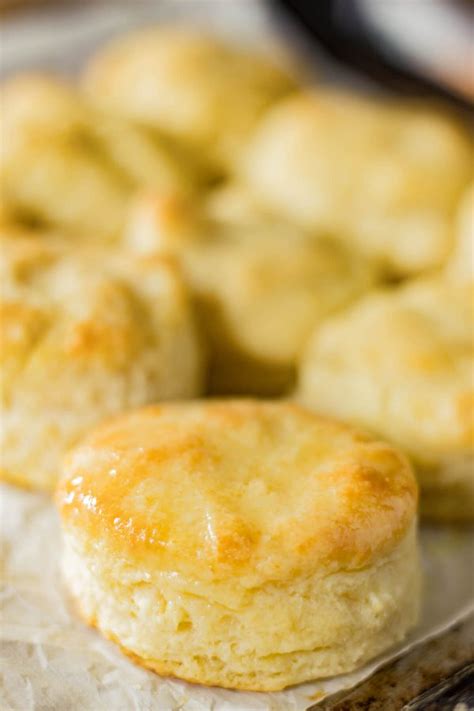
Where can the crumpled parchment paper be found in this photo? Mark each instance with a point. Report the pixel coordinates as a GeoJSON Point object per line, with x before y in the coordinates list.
{"type": "Point", "coordinates": [51, 662]}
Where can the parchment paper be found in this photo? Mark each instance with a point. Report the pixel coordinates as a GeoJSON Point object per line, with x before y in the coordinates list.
{"type": "Point", "coordinates": [51, 662]}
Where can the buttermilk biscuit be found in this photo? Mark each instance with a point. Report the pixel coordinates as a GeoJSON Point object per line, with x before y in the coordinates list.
{"type": "Point", "coordinates": [385, 177]}
{"type": "Point", "coordinates": [66, 165]}
{"type": "Point", "coordinates": [244, 544]}
{"type": "Point", "coordinates": [401, 363]}
{"type": "Point", "coordinates": [83, 336]}
{"type": "Point", "coordinates": [259, 289]}
{"type": "Point", "coordinates": [461, 263]}
{"type": "Point", "coordinates": [195, 88]}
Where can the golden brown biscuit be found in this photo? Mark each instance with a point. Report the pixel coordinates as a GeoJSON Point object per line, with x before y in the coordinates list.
{"type": "Point", "coordinates": [244, 544]}
{"type": "Point", "coordinates": [69, 166]}
{"type": "Point", "coordinates": [84, 335]}
{"type": "Point", "coordinates": [401, 363]}
{"type": "Point", "coordinates": [259, 288]}
{"type": "Point", "coordinates": [385, 177]}
{"type": "Point", "coordinates": [195, 88]}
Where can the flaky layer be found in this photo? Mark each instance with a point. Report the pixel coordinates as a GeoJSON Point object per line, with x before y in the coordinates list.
{"type": "Point", "coordinates": [263, 638]}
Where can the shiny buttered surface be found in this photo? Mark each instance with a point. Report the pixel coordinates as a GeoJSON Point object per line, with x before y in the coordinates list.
{"type": "Point", "coordinates": [249, 544]}
{"type": "Point", "coordinates": [84, 336]}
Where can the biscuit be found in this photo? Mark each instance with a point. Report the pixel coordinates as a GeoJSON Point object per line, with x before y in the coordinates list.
{"type": "Point", "coordinates": [384, 177]}
{"type": "Point", "coordinates": [259, 289]}
{"type": "Point", "coordinates": [84, 335]}
{"type": "Point", "coordinates": [401, 363]}
{"type": "Point", "coordinates": [245, 544]}
{"type": "Point", "coordinates": [194, 88]}
{"type": "Point", "coordinates": [461, 263]}
{"type": "Point", "coordinates": [68, 166]}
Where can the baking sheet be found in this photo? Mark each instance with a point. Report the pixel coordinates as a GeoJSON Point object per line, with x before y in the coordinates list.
{"type": "Point", "coordinates": [50, 661]}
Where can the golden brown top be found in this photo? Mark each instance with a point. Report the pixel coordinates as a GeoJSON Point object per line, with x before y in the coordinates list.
{"type": "Point", "coordinates": [194, 87]}
{"type": "Point", "coordinates": [89, 321]}
{"type": "Point", "coordinates": [263, 490]}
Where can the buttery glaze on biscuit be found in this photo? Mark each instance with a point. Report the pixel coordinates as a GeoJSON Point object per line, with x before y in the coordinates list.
{"type": "Point", "coordinates": [240, 543]}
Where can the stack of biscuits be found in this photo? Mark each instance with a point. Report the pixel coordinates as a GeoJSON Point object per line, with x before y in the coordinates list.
{"type": "Point", "coordinates": [237, 338]}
